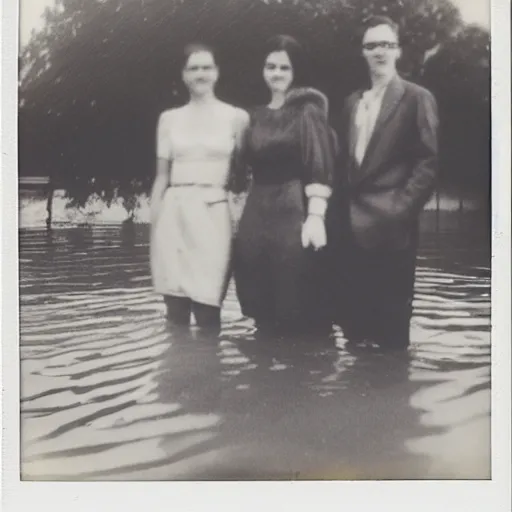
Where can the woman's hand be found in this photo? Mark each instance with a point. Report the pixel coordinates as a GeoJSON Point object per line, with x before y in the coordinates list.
{"type": "Point", "coordinates": [313, 232]}
{"type": "Point", "coordinates": [159, 187]}
{"type": "Point", "coordinates": [154, 211]}
{"type": "Point", "coordinates": [236, 207]}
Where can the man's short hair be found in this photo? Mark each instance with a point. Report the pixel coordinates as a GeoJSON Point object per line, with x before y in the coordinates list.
{"type": "Point", "coordinates": [376, 21]}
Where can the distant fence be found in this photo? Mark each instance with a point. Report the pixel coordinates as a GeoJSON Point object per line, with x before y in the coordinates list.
{"type": "Point", "coordinates": [33, 182]}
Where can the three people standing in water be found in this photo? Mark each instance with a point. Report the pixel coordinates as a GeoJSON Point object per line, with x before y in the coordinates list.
{"type": "Point", "coordinates": [328, 233]}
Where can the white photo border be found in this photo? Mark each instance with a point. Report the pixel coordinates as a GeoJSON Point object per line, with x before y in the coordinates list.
{"type": "Point", "coordinates": [397, 496]}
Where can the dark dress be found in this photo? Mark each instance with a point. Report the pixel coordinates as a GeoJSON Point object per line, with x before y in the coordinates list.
{"type": "Point", "coordinates": [283, 286]}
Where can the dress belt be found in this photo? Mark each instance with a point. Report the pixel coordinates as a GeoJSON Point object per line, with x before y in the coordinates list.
{"type": "Point", "coordinates": [207, 192]}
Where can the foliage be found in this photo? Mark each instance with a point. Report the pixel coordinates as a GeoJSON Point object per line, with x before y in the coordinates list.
{"type": "Point", "coordinates": [459, 76]}
{"type": "Point", "coordinates": [463, 63]}
{"type": "Point", "coordinates": [94, 80]}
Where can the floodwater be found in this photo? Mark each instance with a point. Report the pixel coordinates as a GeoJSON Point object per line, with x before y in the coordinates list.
{"type": "Point", "coordinates": [108, 392]}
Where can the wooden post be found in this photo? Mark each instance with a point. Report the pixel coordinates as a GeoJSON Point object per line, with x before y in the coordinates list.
{"type": "Point", "coordinates": [49, 205]}
{"type": "Point", "coordinates": [438, 209]}
{"type": "Point", "coordinates": [461, 209]}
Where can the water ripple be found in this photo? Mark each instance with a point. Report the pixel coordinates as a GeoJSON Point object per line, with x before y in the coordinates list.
{"type": "Point", "coordinates": [110, 392]}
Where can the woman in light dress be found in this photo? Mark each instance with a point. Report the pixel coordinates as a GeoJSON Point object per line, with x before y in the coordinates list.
{"type": "Point", "coordinates": [191, 235]}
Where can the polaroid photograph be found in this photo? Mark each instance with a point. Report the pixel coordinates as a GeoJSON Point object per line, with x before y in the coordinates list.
{"type": "Point", "coordinates": [255, 242]}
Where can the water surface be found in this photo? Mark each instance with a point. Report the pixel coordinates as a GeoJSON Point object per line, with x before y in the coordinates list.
{"type": "Point", "coordinates": [109, 392]}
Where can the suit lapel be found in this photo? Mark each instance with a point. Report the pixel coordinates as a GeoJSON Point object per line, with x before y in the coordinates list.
{"type": "Point", "coordinates": [390, 101]}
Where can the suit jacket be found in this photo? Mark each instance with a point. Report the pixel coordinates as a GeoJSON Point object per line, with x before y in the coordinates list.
{"type": "Point", "coordinates": [383, 197]}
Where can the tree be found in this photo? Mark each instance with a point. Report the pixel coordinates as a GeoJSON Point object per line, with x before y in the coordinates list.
{"type": "Point", "coordinates": [459, 76]}
{"type": "Point", "coordinates": [94, 80]}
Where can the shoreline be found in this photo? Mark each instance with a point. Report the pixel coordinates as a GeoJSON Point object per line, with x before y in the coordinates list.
{"type": "Point", "coordinates": [33, 214]}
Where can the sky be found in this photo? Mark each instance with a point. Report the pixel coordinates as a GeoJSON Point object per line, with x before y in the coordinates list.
{"type": "Point", "coordinates": [473, 11]}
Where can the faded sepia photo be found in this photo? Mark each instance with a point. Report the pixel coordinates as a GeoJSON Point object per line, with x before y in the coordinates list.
{"type": "Point", "coordinates": [254, 240]}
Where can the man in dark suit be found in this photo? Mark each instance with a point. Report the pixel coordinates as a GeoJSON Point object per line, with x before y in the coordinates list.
{"type": "Point", "coordinates": [387, 172]}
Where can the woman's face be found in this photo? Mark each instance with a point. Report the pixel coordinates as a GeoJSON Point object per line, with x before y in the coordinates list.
{"type": "Point", "coordinates": [200, 73]}
{"type": "Point", "coordinates": [278, 71]}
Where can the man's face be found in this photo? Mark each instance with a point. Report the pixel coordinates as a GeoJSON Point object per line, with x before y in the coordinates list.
{"type": "Point", "coordinates": [381, 49]}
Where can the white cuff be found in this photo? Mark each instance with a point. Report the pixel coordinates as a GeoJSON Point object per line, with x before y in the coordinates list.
{"type": "Point", "coordinates": [317, 206]}
{"type": "Point", "coordinates": [318, 190]}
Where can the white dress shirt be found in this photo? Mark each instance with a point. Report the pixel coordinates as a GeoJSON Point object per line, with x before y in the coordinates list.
{"type": "Point", "coordinates": [368, 110]}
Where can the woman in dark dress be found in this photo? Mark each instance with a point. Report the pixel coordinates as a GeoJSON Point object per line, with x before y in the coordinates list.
{"type": "Point", "coordinates": [279, 261]}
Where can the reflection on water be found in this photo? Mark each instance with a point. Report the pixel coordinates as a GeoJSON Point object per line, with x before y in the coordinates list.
{"type": "Point", "coordinates": [110, 392]}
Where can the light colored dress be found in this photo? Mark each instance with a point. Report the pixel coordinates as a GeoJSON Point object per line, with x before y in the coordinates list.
{"type": "Point", "coordinates": [192, 237]}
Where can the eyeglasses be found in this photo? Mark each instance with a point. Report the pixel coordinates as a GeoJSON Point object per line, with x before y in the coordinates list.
{"type": "Point", "coordinates": [387, 45]}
